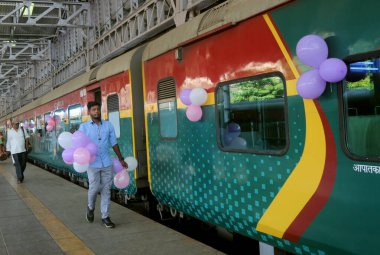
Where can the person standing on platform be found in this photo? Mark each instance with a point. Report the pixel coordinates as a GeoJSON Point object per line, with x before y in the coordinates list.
{"type": "Point", "coordinates": [2, 142]}
{"type": "Point", "coordinates": [100, 172]}
{"type": "Point", "coordinates": [17, 140]}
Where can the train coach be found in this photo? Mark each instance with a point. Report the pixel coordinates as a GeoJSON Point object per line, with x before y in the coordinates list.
{"type": "Point", "coordinates": [256, 158]}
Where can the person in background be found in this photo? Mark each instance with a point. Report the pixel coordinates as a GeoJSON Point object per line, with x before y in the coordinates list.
{"type": "Point", "coordinates": [2, 142]}
{"type": "Point", "coordinates": [17, 140]}
{"type": "Point", "coordinates": [3, 153]}
{"type": "Point", "coordinates": [102, 133]}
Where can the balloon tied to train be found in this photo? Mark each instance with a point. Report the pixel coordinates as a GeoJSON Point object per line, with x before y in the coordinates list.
{"type": "Point", "coordinates": [312, 51]}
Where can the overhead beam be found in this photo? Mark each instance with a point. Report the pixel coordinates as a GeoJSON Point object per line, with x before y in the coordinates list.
{"type": "Point", "coordinates": [77, 14]}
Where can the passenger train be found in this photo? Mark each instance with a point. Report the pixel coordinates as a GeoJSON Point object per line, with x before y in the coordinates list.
{"type": "Point", "coordinates": [302, 176]}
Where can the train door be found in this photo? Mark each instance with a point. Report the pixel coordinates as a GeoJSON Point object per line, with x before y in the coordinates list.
{"type": "Point", "coordinates": [97, 95]}
{"type": "Point", "coordinates": [46, 138]}
{"type": "Point", "coordinates": [138, 119]}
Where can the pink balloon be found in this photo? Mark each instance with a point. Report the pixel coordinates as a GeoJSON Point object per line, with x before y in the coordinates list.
{"type": "Point", "coordinates": [79, 139]}
{"type": "Point", "coordinates": [121, 179]}
{"type": "Point", "coordinates": [51, 122]}
{"type": "Point", "coordinates": [333, 70]}
{"type": "Point", "coordinates": [49, 128]}
{"type": "Point", "coordinates": [310, 85]}
{"type": "Point", "coordinates": [312, 50]}
{"type": "Point", "coordinates": [92, 148]}
{"type": "Point", "coordinates": [68, 156]}
{"type": "Point", "coordinates": [82, 156]}
{"type": "Point", "coordinates": [117, 167]}
{"type": "Point", "coordinates": [194, 113]}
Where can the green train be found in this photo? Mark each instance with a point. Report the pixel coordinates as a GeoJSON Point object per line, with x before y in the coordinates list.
{"type": "Point", "coordinates": [263, 162]}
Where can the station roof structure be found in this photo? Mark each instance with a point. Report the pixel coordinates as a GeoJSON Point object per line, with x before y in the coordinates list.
{"type": "Point", "coordinates": [44, 44]}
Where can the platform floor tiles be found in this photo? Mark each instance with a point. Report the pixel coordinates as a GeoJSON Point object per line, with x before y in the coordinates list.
{"type": "Point", "coordinates": [46, 215]}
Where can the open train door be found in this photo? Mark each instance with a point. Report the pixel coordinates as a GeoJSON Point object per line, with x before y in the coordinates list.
{"type": "Point", "coordinates": [138, 124]}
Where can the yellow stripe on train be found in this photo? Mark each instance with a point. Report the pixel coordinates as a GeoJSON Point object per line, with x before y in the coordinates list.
{"type": "Point", "coordinates": [305, 178]}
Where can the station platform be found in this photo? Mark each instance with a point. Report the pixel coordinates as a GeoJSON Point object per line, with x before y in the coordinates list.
{"type": "Point", "coordinates": [46, 215]}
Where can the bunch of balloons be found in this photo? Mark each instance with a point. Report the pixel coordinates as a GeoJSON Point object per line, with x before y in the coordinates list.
{"type": "Point", "coordinates": [78, 151]}
{"type": "Point", "coordinates": [312, 50]}
{"type": "Point", "coordinates": [122, 178]}
{"type": "Point", "coordinates": [231, 136]}
{"type": "Point", "coordinates": [193, 98]}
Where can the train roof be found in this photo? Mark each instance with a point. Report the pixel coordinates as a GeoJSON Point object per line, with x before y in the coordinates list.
{"type": "Point", "coordinates": [225, 14]}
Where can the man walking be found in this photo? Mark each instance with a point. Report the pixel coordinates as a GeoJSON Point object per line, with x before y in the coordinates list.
{"type": "Point", "coordinates": [17, 139]}
{"type": "Point", "coordinates": [102, 133]}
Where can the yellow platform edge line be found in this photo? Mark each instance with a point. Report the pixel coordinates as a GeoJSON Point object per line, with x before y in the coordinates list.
{"type": "Point", "coordinates": [305, 178]}
{"type": "Point", "coordinates": [65, 239]}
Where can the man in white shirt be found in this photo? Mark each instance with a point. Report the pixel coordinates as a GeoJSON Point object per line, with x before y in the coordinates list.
{"type": "Point", "coordinates": [16, 140]}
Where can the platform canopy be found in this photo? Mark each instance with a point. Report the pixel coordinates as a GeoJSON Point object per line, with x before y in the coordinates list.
{"type": "Point", "coordinates": [44, 44]}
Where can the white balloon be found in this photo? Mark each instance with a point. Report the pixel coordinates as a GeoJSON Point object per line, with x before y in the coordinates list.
{"type": "Point", "coordinates": [64, 139]}
{"type": "Point", "coordinates": [198, 96]}
{"type": "Point", "coordinates": [132, 163]}
{"type": "Point", "coordinates": [80, 168]}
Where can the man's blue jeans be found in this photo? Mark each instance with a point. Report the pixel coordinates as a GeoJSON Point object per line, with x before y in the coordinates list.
{"type": "Point", "coordinates": [100, 180]}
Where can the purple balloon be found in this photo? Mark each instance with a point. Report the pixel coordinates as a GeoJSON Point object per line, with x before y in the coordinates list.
{"type": "Point", "coordinates": [117, 167]}
{"type": "Point", "coordinates": [227, 138]}
{"type": "Point", "coordinates": [185, 96]}
{"type": "Point", "coordinates": [68, 156]}
{"type": "Point", "coordinates": [238, 142]}
{"type": "Point", "coordinates": [31, 125]}
{"type": "Point", "coordinates": [92, 148]}
{"type": "Point", "coordinates": [194, 113]}
{"type": "Point", "coordinates": [310, 85]}
{"type": "Point", "coordinates": [79, 139]}
{"type": "Point", "coordinates": [233, 129]}
{"type": "Point", "coordinates": [333, 70]}
{"type": "Point", "coordinates": [312, 50]}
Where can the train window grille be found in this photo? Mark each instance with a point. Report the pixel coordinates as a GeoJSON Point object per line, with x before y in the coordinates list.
{"type": "Point", "coordinates": [361, 106]}
{"type": "Point", "coordinates": [251, 115]}
{"type": "Point", "coordinates": [167, 108]}
{"type": "Point", "coordinates": [113, 112]}
{"type": "Point", "coordinates": [75, 117]}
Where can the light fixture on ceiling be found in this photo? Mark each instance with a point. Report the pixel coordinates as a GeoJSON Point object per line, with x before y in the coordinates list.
{"type": "Point", "coordinates": [11, 43]}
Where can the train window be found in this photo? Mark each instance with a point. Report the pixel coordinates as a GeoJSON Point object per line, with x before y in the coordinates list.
{"type": "Point", "coordinates": [39, 125]}
{"type": "Point", "coordinates": [75, 117]}
{"type": "Point", "coordinates": [59, 117]}
{"type": "Point", "coordinates": [251, 114]}
{"type": "Point", "coordinates": [167, 108]}
{"type": "Point", "coordinates": [113, 112]}
{"type": "Point", "coordinates": [32, 125]}
{"type": "Point", "coordinates": [361, 106]}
